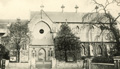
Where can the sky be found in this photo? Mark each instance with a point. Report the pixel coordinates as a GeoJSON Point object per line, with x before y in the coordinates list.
{"type": "Point", "coordinates": [13, 9]}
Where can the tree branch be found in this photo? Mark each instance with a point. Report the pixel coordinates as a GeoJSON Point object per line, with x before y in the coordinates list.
{"type": "Point", "coordinates": [98, 3]}
{"type": "Point", "coordinates": [116, 18]}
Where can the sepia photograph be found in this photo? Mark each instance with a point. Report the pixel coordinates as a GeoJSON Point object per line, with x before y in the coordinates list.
{"type": "Point", "coordinates": [59, 34]}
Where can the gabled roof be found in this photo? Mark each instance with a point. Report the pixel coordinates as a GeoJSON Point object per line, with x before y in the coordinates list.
{"type": "Point", "coordinates": [70, 16]}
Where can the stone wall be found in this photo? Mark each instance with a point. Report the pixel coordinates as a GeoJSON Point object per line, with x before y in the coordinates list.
{"type": "Point", "coordinates": [69, 65]}
{"type": "Point", "coordinates": [18, 66]}
{"type": "Point", "coordinates": [102, 66]}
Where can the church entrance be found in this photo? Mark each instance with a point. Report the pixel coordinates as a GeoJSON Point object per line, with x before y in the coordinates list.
{"type": "Point", "coordinates": [42, 63]}
{"type": "Point", "coordinates": [41, 55]}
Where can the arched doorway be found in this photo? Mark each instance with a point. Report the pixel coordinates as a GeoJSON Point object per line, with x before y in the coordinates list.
{"type": "Point", "coordinates": [41, 55]}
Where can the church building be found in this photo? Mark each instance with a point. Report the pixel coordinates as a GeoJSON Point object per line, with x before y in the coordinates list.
{"type": "Point", "coordinates": [44, 26]}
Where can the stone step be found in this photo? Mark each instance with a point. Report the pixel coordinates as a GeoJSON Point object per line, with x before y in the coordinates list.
{"type": "Point", "coordinates": [43, 65]}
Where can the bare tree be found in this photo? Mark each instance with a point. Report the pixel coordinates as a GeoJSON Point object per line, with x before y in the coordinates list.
{"type": "Point", "coordinates": [105, 21]}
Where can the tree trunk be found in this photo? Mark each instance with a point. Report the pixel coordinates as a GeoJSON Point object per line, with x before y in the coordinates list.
{"type": "Point", "coordinates": [18, 55]}
{"type": "Point", "coordinates": [18, 52]}
{"type": "Point", "coordinates": [65, 56]}
{"type": "Point", "coordinates": [0, 61]}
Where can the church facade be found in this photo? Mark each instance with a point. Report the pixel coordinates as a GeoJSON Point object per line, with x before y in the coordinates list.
{"type": "Point", "coordinates": [45, 25]}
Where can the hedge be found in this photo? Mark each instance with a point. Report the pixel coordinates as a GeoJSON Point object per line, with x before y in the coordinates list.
{"type": "Point", "coordinates": [101, 59]}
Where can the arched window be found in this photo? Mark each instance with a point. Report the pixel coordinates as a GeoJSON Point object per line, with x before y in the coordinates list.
{"type": "Point", "coordinates": [77, 27]}
{"type": "Point", "coordinates": [83, 50]}
{"type": "Point", "coordinates": [91, 50]}
{"type": "Point", "coordinates": [24, 47]}
{"type": "Point", "coordinates": [50, 53]}
{"type": "Point", "coordinates": [99, 50]}
{"type": "Point", "coordinates": [33, 53]}
{"type": "Point", "coordinates": [108, 50]}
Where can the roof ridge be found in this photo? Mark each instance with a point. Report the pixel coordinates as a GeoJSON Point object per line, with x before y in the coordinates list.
{"type": "Point", "coordinates": [61, 12]}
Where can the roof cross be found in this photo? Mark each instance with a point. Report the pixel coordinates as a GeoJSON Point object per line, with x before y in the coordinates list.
{"type": "Point", "coordinates": [42, 6]}
{"type": "Point", "coordinates": [66, 21]}
{"type": "Point", "coordinates": [96, 8]}
{"type": "Point", "coordinates": [76, 7]}
{"type": "Point", "coordinates": [62, 7]}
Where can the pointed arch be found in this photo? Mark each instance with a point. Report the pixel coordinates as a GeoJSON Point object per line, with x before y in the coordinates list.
{"type": "Point", "coordinates": [42, 54]}
{"type": "Point", "coordinates": [45, 23]}
{"type": "Point", "coordinates": [50, 53]}
{"type": "Point", "coordinates": [108, 49]}
{"type": "Point", "coordinates": [99, 50]}
{"type": "Point", "coordinates": [83, 50]}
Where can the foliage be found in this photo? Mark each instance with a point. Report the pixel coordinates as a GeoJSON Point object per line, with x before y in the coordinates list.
{"type": "Point", "coordinates": [5, 42]}
{"type": "Point", "coordinates": [2, 50]}
{"type": "Point", "coordinates": [18, 36]}
{"type": "Point", "coordinates": [6, 55]}
{"type": "Point", "coordinates": [66, 44]}
{"type": "Point", "coordinates": [102, 59]}
{"type": "Point", "coordinates": [105, 22]}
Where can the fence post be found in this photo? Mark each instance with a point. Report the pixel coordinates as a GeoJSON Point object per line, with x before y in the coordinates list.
{"type": "Point", "coordinates": [54, 63]}
{"type": "Point", "coordinates": [117, 62]}
{"type": "Point", "coordinates": [88, 63]}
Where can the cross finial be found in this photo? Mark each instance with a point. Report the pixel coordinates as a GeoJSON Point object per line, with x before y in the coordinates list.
{"type": "Point", "coordinates": [96, 8]}
{"type": "Point", "coordinates": [76, 7]}
{"type": "Point", "coordinates": [42, 6]}
{"type": "Point", "coordinates": [66, 21]}
{"type": "Point", "coordinates": [62, 7]}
